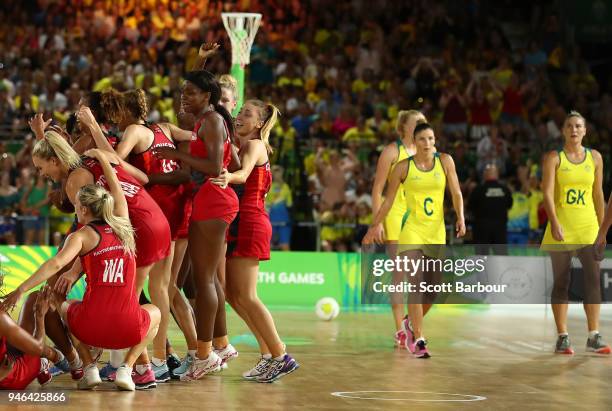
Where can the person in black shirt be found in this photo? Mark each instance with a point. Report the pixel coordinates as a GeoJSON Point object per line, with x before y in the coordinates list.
{"type": "Point", "coordinates": [489, 204]}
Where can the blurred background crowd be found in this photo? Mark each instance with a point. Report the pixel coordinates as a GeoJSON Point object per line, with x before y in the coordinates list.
{"type": "Point", "coordinates": [495, 84]}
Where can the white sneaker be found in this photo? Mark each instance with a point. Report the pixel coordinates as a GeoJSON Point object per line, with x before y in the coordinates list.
{"type": "Point", "coordinates": [259, 368]}
{"type": "Point", "coordinates": [91, 378]}
{"type": "Point", "coordinates": [123, 378]}
{"type": "Point", "coordinates": [226, 354]}
{"type": "Point", "coordinates": [200, 368]}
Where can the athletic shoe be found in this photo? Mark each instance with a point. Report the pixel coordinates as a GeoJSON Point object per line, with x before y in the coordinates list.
{"type": "Point", "coordinates": [162, 373]}
{"type": "Point", "coordinates": [176, 373]}
{"type": "Point", "coordinates": [597, 345]}
{"type": "Point", "coordinates": [407, 329]}
{"type": "Point", "coordinates": [278, 368]}
{"type": "Point", "coordinates": [91, 378]}
{"type": "Point", "coordinates": [420, 349]}
{"type": "Point", "coordinates": [226, 354]}
{"type": "Point", "coordinates": [400, 339]}
{"type": "Point", "coordinates": [200, 368]}
{"type": "Point", "coordinates": [564, 346]}
{"type": "Point", "coordinates": [259, 369]}
{"type": "Point", "coordinates": [123, 378]}
{"type": "Point", "coordinates": [60, 367]}
{"type": "Point", "coordinates": [107, 373]}
{"type": "Point", "coordinates": [144, 381]}
{"type": "Point", "coordinates": [44, 376]}
{"type": "Point", "coordinates": [173, 362]}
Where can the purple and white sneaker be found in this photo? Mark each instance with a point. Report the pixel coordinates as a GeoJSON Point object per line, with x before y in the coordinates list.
{"type": "Point", "coordinates": [420, 349]}
{"type": "Point", "coordinates": [407, 328]}
{"type": "Point", "coordinates": [278, 368]}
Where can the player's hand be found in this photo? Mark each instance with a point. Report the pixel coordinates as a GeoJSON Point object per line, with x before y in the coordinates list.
{"type": "Point", "coordinates": [208, 49]}
{"type": "Point", "coordinates": [166, 153]}
{"type": "Point", "coordinates": [11, 300]}
{"type": "Point", "coordinates": [95, 153]}
{"type": "Point", "coordinates": [557, 231]}
{"type": "Point", "coordinates": [41, 306]}
{"type": "Point", "coordinates": [65, 281]}
{"type": "Point", "coordinates": [6, 366]}
{"type": "Point", "coordinates": [223, 179]}
{"type": "Point", "coordinates": [375, 234]}
{"type": "Point", "coordinates": [38, 125]}
{"type": "Point", "coordinates": [86, 117]}
{"type": "Point", "coordinates": [599, 247]}
{"type": "Point", "coordinates": [460, 228]}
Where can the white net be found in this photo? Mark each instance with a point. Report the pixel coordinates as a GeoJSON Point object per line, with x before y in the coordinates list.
{"type": "Point", "coordinates": [241, 28]}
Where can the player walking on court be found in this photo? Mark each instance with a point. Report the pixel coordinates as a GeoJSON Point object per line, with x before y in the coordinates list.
{"type": "Point", "coordinates": [109, 315]}
{"type": "Point", "coordinates": [423, 177]}
{"type": "Point", "coordinates": [250, 235]}
{"type": "Point", "coordinates": [214, 209]}
{"type": "Point", "coordinates": [574, 202]}
{"type": "Point", "coordinates": [392, 154]}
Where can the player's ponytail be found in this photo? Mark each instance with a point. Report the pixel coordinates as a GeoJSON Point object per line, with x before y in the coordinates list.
{"type": "Point", "coordinates": [55, 146]}
{"type": "Point", "coordinates": [207, 82]}
{"type": "Point", "coordinates": [268, 114]}
{"type": "Point", "coordinates": [111, 102]}
{"type": "Point", "coordinates": [135, 102]}
{"type": "Point", "coordinates": [102, 204]}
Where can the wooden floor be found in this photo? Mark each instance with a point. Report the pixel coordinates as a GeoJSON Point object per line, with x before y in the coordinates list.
{"type": "Point", "coordinates": [496, 358]}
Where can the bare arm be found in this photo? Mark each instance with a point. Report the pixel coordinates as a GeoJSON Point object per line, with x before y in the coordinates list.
{"type": "Point", "coordinates": [383, 166]}
{"type": "Point", "coordinates": [121, 207]}
{"type": "Point", "coordinates": [87, 118]}
{"type": "Point", "coordinates": [177, 133]}
{"type": "Point", "coordinates": [399, 174]}
{"type": "Point", "coordinates": [455, 189]}
{"type": "Point", "coordinates": [598, 195]}
{"type": "Point", "coordinates": [20, 338]}
{"type": "Point", "coordinates": [551, 162]}
{"type": "Point", "coordinates": [253, 153]}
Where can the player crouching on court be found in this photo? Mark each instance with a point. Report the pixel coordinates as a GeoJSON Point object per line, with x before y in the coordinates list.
{"type": "Point", "coordinates": [109, 315]}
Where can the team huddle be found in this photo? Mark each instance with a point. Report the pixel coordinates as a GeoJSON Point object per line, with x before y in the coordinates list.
{"type": "Point", "coordinates": [181, 207]}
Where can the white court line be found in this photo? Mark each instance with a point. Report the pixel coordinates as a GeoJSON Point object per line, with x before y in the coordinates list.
{"type": "Point", "coordinates": [532, 346]}
{"type": "Point", "coordinates": [465, 397]}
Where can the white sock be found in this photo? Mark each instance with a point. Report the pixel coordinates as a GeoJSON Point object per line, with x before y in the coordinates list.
{"type": "Point", "coordinates": [420, 339]}
{"type": "Point", "coordinates": [279, 358]}
{"type": "Point", "coordinates": [76, 363]}
{"type": "Point", "coordinates": [60, 356]}
{"type": "Point", "coordinates": [593, 333]}
{"type": "Point", "coordinates": [142, 368]}
{"type": "Point", "coordinates": [117, 357]}
{"type": "Point", "coordinates": [158, 362]}
{"type": "Point", "coordinates": [191, 353]}
{"type": "Point", "coordinates": [267, 356]}
{"type": "Point", "coordinates": [563, 334]}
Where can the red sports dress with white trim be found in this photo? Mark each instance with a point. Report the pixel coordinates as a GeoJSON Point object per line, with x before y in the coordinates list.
{"type": "Point", "coordinates": [109, 315]}
{"type": "Point", "coordinates": [150, 223]}
{"type": "Point", "coordinates": [211, 201]}
{"type": "Point", "coordinates": [170, 198]}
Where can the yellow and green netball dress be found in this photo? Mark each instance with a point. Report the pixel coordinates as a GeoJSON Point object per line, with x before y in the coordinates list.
{"type": "Point", "coordinates": [393, 221]}
{"type": "Point", "coordinates": [423, 222]}
{"type": "Point", "coordinates": [574, 204]}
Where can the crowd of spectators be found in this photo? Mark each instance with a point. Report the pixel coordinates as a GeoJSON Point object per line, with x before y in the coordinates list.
{"type": "Point", "coordinates": [495, 79]}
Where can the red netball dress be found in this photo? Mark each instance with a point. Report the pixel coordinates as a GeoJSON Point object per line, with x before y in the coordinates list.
{"type": "Point", "coordinates": [149, 222]}
{"type": "Point", "coordinates": [109, 315]}
{"type": "Point", "coordinates": [251, 231]}
{"type": "Point", "coordinates": [25, 368]}
{"type": "Point", "coordinates": [171, 199]}
{"type": "Point", "coordinates": [211, 201]}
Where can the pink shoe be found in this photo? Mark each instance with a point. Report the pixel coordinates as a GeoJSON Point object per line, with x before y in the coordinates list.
{"type": "Point", "coordinates": [144, 381]}
{"type": "Point", "coordinates": [400, 339]}
{"type": "Point", "coordinates": [420, 349]}
{"type": "Point", "coordinates": [407, 329]}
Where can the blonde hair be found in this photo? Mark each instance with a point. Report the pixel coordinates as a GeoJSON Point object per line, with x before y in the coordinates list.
{"type": "Point", "coordinates": [230, 83]}
{"type": "Point", "coordinates": [112, 104]}
{"type": "Point", "coordinates": [135, 102]}
{"type": "Point", "coordinates": [56, 146]}
{"type": "Point", "coordinates": [268, 113]}
{"type": "Point", "coordinates": [404, 115]}
{"type": "Point", "coordinates": [101, 204]}
{"type": "Point", "coordinates": [574, 113]}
